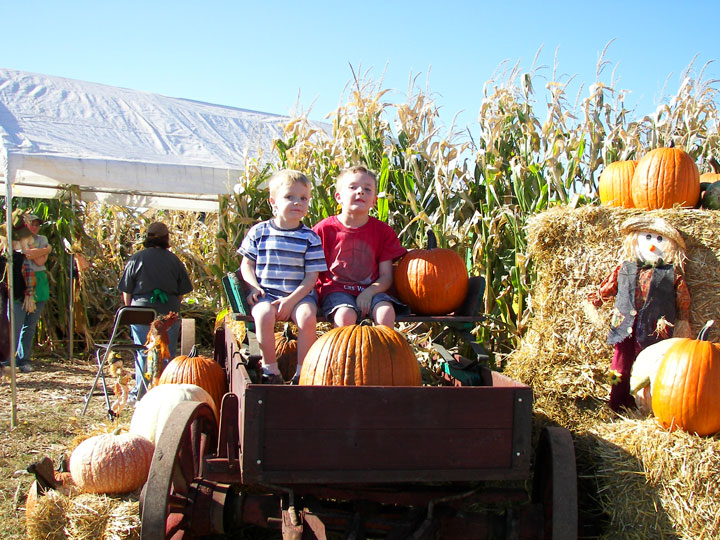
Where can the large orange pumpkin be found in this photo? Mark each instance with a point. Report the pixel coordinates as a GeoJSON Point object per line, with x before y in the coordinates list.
{"type": "Point", "coordinates": [111, 463]}
{"type": "Point", "coordinates": [665, 177]}
{"type": "Point", "coordinates": [615, 184]}
{"type": "Point", "coordinates": [200, 370]}
{"type": "Point", "coordinates": [685, 392]}
{"type": "Point", "coordinates": [431, 281]}
{"type": "Point", "coordinates": [361, 355]}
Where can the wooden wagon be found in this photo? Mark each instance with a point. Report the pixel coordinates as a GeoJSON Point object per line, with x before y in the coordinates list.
{"type": "Point", "coordinates": [312, 462]}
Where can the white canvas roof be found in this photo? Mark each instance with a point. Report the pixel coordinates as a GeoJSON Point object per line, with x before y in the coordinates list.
{"type": "Point", "coordinates": [124, 146]}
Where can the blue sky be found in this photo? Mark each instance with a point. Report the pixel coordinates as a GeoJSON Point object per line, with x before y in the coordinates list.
{"type": "Point", "coordinates": [267, 56]}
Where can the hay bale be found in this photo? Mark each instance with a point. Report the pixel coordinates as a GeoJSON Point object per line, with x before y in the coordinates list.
{"type": "Point", "coordinates": [638, 481]}
{"type": "Point", "coordinates": [46, 519]}
{"type": "Point", "coordinates": [563, 354]}
{"type": "Point", "coordinates": [652, 483]}
{"type": "Point", "coordinates": [87, 516]}
{"type": "Point", "coordinates": [124, 522]}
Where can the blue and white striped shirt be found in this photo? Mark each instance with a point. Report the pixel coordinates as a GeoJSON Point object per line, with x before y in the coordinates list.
{"type": "Point", "coordinates": [282, 257]}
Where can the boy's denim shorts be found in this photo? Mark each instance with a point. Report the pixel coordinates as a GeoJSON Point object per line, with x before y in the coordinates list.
{"type": "Point", "coordinates": [270, 297]}
{"type": "Point", "coordinates": [339, 299]}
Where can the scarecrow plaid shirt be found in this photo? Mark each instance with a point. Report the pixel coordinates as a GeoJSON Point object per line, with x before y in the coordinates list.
{"type": "Point", "coordinates": [29, 277]}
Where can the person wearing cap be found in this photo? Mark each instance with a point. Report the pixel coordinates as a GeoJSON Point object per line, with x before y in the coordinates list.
{"type": "Point", "coordinates": [31, 289]}
{"type": "Point", "coordinates": [652, 299]}
{"type": "Point", "coordinates": [154, 277]}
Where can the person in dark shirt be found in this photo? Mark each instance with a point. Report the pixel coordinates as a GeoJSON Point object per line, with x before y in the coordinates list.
{"type": "Point", "coordinates": [154, 277]}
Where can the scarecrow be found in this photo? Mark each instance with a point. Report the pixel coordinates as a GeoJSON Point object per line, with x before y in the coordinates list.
{"type": "Point", "coordinates": [652, 300]}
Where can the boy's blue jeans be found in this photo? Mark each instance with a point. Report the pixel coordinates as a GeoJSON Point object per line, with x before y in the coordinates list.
{"type": "Point", "coordinates": [139, 335]}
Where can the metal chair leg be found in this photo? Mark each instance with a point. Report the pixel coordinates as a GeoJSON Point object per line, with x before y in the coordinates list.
{"type": "Point", "coordinates": [100, 375]}
{"type": "Point", "coordinates": [94, 384]}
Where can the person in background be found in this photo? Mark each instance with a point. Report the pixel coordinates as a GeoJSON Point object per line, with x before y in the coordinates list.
{"type": "Point", "coordinates": [154, 277]}
{"type": "Point", "coordinates": [281, 261]}
{"type": "Point", "coordinates": [26, 308]}
{"type": "Point", "coordinates": [37, 292]}
{"type": "Point", "coordinates": [359, 251]}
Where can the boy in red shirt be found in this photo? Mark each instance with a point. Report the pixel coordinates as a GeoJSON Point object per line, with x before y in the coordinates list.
{"type": "Point", "coordinates": [359, 252]}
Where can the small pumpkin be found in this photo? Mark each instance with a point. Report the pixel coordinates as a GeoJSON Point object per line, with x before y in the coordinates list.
{"type": "Point", "coordinates": [432, 281]}
{"type": "Point", "coordinates": [361, 355]}
{"type": "Point", "coordinates": [615, 184]}
{"type": "Point", "coordinates": [111, 463]}
{"type": "Point", "coordinates": [665, 177]}
{"type": "Point", "coordinates": [203, 371]}
{"type": "Point", "coordinates": [712, 176]}
{"type": "Point", "coordinates": [156, 407]}
{"type": "Point", "coordinates": [286, 352]}
{"type": "Point", "coordinates": [685, 391]}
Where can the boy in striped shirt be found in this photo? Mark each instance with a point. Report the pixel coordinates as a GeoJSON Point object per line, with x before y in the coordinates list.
{"type": "Point", "coordinates": [281, 262]}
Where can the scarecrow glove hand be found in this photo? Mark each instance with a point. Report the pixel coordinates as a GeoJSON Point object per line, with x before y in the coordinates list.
{"type": "Point", "coordinates": [29, 304]}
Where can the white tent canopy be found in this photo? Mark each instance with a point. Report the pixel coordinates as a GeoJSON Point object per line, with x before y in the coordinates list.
{"type": "Point", "coordinates": [124, 146]}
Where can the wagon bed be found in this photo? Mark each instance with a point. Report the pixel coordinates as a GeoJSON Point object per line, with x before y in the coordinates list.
{"type": "Point", "coordinates": [371, 462]}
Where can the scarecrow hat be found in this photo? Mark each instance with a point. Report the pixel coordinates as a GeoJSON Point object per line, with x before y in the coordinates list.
{"type": "Point", "coordinates": [656, 225]}
{"type": "Point", "coordinates": [19, 229]}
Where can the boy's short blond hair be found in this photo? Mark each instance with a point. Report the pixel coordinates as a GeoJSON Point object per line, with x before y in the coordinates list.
{"type": "Point", "coordinates": [355, 169]}
{"type": "Point", "coordinates": [287, 177]}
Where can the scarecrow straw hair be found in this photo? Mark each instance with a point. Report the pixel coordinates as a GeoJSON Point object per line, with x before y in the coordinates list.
{"type": "Point", "coordinates": [651, 484]}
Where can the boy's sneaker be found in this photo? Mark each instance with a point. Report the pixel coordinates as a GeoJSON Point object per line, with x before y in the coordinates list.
{"type": "Point", "coordinates": [25, 368]}
{"type": "Point", "coordinates": [272, 379]}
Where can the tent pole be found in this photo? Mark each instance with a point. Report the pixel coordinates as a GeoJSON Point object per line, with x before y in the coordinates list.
{"type": "Point", "coordinates": [10, 291]}
{"type": "Point", "coordinates": [71, 288]}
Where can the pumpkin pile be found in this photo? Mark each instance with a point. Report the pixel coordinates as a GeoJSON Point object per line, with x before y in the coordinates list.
{"type": "Point", "coordinates": [661, 179]}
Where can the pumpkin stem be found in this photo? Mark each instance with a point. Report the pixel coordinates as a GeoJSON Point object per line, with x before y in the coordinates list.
{"type": "Point", "coordinates": [702, 336]}
{"type": "Point", "coordinates": [288, 333]}
{"type": "Point", "coordinates": [193, 352]}
{"type": "Point", "coordinates": [431, 239]}
{"type": "Point", "coordinates": [672, 144]}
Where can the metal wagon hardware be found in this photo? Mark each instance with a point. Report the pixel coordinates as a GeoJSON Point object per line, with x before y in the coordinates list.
{"type": "Point", "coordinates": [313, 462]}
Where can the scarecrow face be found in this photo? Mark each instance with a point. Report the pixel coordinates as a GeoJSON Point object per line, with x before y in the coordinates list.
{"type": "Point", "coordinates": [652, 246]}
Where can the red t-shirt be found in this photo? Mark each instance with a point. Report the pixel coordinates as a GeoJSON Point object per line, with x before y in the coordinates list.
{"type": "Point", "coordinates": [353, 255]}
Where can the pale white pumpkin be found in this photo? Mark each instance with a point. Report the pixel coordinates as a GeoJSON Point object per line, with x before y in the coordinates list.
{"type": "Point", "coordinates": [644, 370]}
{"type": "Point", "coordinates": [156, 407]}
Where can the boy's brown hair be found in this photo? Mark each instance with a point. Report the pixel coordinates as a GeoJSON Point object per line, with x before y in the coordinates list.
{"type": "Point", "coordinates": [355, 169]}
{"type": "Point", "coordinates": [286, 177]}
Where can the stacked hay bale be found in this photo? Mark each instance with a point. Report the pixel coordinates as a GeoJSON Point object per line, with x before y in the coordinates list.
{"type": "Point", "coordinates": [83, 516]}
{"type": "Point", "coordinates": [649, 483]}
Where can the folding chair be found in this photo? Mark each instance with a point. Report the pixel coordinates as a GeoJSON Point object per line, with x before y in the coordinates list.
{"type": "Point", "coordinates": [124, 317]}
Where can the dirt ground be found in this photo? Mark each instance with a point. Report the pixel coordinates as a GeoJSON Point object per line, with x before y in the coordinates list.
{"type": "Point", "coordinates": [49, 416]}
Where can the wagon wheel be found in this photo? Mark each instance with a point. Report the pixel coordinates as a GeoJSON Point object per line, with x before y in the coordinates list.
{"type": "Point", "coordinates": [555, 484]}
{"type": "Point", "coordinates": [172, 488]}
